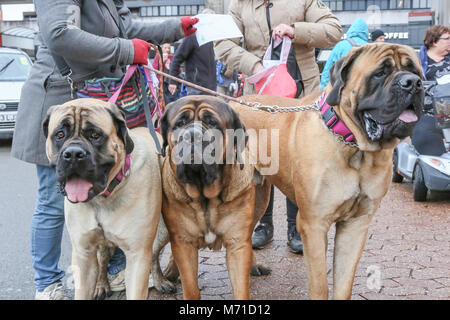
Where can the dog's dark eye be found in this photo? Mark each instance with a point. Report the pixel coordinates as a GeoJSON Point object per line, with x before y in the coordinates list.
{"type": "Point", "coordinates": [95, 136]}
{"type": "Point", "coordinates": [180, 122]}
{"type": "Point", "coordinates": [212, 122]}
{"type": "Point", "coordinates": [60, 135]}
{"type": "Point", "coordinates": [380, 74]}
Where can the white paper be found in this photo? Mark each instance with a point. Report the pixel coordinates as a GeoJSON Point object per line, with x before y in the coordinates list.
{"type": "Point", "coordinates": [444, 79]}
{"type": "Point", "coordinates": [212, 27]}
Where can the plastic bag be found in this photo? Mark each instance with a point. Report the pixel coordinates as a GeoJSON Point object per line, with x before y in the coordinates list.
{"type": "Point", "coordinates": [275, 78]}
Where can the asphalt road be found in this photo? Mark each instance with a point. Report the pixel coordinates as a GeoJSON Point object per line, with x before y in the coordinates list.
{"type": "Point", "coordinates": [18, 190]}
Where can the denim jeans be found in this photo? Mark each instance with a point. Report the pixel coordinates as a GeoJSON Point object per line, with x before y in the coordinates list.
{"type": "Point", "coordinates": [47, 227]}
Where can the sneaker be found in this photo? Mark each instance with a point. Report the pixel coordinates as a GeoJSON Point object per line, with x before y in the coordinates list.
{"type": "Point", "coordinates": [55, 291]}
{"type": "Point", "coordinates": [262, 235]}
{"type": "Point", "coordinates": [295, 243]}
{"type": "Point", "coordinates": [117, 281]}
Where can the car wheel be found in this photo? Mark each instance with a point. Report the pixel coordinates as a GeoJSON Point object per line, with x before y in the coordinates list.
{"type": "Point", "coordinates": [395, 176]}
{"type": "Point", "coordinates": [419, 188]}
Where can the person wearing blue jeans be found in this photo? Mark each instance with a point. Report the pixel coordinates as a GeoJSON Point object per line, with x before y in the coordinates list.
{"type": "Point", "coordinates": [47, 227]}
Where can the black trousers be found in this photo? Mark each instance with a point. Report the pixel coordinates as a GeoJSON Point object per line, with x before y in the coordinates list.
{"type": "Point", "coordinates": [427, 138]}
{"type": "Point", "coordinates": [291, 210]}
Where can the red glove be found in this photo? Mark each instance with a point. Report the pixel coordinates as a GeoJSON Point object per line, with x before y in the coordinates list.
{"type": "Point", "coordinates": [187, 25]}
{"type": "Point", "coordinates": [141, 49]}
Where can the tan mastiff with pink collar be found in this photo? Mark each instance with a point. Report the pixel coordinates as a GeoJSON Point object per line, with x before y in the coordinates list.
{"type": "Point", "coordinates": [112, 182]}
{"type": "Point", "coordinates": [377, 96]}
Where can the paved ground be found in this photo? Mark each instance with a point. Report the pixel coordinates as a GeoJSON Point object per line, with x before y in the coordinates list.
{"type": "Point", "coordinates": [407, 247]}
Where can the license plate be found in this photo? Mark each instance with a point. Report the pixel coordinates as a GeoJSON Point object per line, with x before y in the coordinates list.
{"type": "Point", "coordinates": [8, 116]}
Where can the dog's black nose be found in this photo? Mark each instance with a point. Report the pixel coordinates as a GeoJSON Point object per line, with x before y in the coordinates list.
{"type": "Point", "coordinates": [193, 134]}
{"type": "Point", "coordinates": [410, 82]}
{"type": "Point", "coordinates": [74, 153]}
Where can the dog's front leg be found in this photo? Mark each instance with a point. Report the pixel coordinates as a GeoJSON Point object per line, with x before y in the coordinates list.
{"type": "Point", "coordinates": [161, 284]}
{"type": "Point", "coordinates": [348, 246]}
{"type": "Point", "coordinates": [186, 258]}
{"type": "Point", "coordinates": [239, 262]}
{"type": "Point", "coordinates": [137, 273]}
{"type": "Point", "coordinates": [85, 271]}
{"type": "Point", "coordinates": [315, 242]}
{"type": "Point", "coordinates": [262, 197]}
{"type": "Point", "coordinates": [102, 288]}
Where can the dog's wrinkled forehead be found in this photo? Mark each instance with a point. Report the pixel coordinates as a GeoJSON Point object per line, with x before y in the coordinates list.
{"type": "Point", "coordinates": [197, 107]}
{"type": "Point", "coordinates": [374, 56]}
{"type": "Point", "coordinates": [76, 113]}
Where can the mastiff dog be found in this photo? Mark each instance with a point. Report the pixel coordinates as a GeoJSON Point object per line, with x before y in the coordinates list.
{"type": "Point", "coordinates": [335, 152]}
{"type": "Point", "coordinates": [111, 180]}
{"type": "Point", "coordinates": [208, 189]}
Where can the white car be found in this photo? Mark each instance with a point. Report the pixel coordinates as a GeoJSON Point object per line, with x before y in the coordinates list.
{"type": "Point", "coordinates": [15, 65]}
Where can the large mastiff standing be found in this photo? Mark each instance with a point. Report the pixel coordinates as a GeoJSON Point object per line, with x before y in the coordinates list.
{"type": "Point", "coordinates": [209, 202]}
{"type": "Point", "coordinates": [377, 93]}
{"type": "Point", "coordinates": [112, 182]}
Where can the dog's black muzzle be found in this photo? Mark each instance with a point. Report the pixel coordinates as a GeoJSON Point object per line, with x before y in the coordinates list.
{"type": "Point", "coordinates": [392, 110]}
{"type": "Point", "coordinates": [189, 155]}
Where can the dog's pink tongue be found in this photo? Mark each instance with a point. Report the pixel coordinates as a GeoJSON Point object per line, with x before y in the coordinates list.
{"type": "Point", "coordinates": [77, 189]}
{"type": "Point", "coordinates": [408, 116]}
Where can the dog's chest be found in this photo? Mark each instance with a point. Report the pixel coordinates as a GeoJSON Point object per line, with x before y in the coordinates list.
{"type": "Point", "coordinates": [209, 219]}
{"type": "Point", "coordinates": [360, 191]}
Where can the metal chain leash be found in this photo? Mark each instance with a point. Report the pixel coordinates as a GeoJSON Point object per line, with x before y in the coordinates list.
{"type": "Point", "coordinates": [256, 105]}
{"type": "Point", "coordinates": [276, 109]}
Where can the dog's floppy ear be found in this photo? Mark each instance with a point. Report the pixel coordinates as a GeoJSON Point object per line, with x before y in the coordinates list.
{"type": "Point", "coordinates": [339, 75]}
{"type": "Point", "coordinates": [164, 125]}
{"type": "Point", "coordinates": [47, 120]}
{"type": "Point", "coordinates": [239, 143]}
{"type": "Point", "coordinates": [121, 127]}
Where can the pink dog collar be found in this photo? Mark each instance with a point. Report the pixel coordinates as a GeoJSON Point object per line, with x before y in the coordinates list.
{"type": "Point", "coordinates": [119, 177]}
{"type": "Point", "coordinates": [332, 120]}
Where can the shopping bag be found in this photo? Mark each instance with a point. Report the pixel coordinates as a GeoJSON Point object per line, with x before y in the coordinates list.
{"type": "Point", "coordinates": [275, 78]}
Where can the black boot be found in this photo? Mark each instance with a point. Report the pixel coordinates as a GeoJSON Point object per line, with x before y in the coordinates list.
{"type": "Point", "coordinates": [263, 233]}
{"type": "Point", "coordinates": [294, 240]}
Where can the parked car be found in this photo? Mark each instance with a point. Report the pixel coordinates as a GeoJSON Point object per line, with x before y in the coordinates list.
{"type": "Point", "coordinates": [15, 65]}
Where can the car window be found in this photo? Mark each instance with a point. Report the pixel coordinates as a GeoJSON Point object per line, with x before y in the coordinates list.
{"type": "Point", "coordinates": [14, 67]}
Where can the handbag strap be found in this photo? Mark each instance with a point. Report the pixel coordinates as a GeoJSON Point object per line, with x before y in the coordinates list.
{"type": "Point", "coordinates": [268, 5]}
{"type": "Point", "coordinates": [145, 99]}
{"type": "Point", "coordinates": [152, 90]}
{"type": "Point", "coordinates": [286, 40]}
{"type": "Point", "coordinates": [130, 71]}
{"type": "Point", "coordinates": [148, 114]}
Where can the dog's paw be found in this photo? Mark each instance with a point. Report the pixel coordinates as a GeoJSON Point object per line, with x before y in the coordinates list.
{"type": "Point", "coordinates": [102, 291]}
{"type": "Point", "coordinates": [260, 270]}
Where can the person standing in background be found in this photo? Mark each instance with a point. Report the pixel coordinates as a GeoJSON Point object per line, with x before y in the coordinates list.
{"type": "Point", "coordinates": [434, 57]}
{"type": "Point", "coordinates": [310, 24]}
{"type": "Point", "coordinates": [167, 58]}
{"type": "Point", "coordinates": [199, 63]}
{"type": "Point", "coordinates": [357, 35]}
{"type": "Point", "coordinates": [378, 36]}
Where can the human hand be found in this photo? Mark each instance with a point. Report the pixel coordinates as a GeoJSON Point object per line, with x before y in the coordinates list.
{"type": "Point", "coordinates": [187, 25]}
{"type": "Point", "coordinates": [141, 50]}
{"type": "Point", "coordinates": [257, 68]}
{"type": "Point", "coordinates": [282, 30]}
{"type": "Point", "coordinates": [172, 88]}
